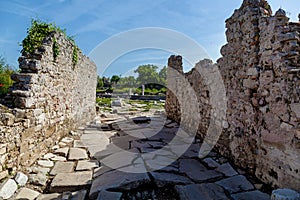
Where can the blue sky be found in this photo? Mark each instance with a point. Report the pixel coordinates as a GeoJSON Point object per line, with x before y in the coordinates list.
{"type": "Point", "coordinates": [93, 22]}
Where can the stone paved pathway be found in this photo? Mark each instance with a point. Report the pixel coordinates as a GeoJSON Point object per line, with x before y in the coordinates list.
{"type": "Point", "coordinates": [126, 157]}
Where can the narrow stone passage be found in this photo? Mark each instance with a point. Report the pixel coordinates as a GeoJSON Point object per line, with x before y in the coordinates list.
{"type": "Point", "coordinates": [140, 157]}
{"type": "Point", "coordinates": [129, 157]}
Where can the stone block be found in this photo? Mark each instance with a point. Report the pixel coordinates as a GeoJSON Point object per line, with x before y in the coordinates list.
{"type": "Point", "coordinates": [79, 195]}
{"type": "Point", "coordinates": [3, 149]}
{"type": "Point", "coordinates": [3, 174]}
{"type": "Point", "coordinates": [117, 179]}
{"type": "Point", "coordinates": [163, 178]}
{"type": "Point", "coordinates": [226, 169]}
{"type": "Point", "coordinates": [39, 179]}
{"type": "Point", "coordinates": [51, 196]}
{"type": "Point", "coordinates": [45, 163]}
{"type": "Point", "coordinates": [295, 107]}
{"type": "Point", "coordinates": [201, 191]}
{"type": "Point", "coordinates": [8, 188]}
{"type": "Point", "coordinates": [28, 194]}
{"type": "Point", "coordinates": [109, 195]}
{"type": "Point", "coordinates": [83, 165]}
{"type": "Point", "coordinates": [62, 151]}
{"type": "Point", "coordinates": [71, 181]}
{"type": "Point", "coordinates": [252, 195]}
{"type": "Point", "coordinates": [21, 178]}
{"type": "Point", "coordinates": [77, 154]}
{"type": "Point", "coordinates": [236, 184]}
{"type": "Point", "coordinates": [62, 167]}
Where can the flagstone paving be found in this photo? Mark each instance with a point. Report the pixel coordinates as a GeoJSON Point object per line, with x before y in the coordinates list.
{"type": "Point", "coordinates": [123, 157]}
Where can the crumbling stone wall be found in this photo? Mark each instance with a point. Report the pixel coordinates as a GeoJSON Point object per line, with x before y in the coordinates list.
{"type": "Point", "coordinates": [49, 98]}
{"type": "Point", "coordinates": [260, 69]}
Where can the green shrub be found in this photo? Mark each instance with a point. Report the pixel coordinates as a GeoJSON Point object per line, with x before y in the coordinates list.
{"type": "Point", "coordinates": [5, 81]}
{"type": "Point", "coordinates": [38, 31]}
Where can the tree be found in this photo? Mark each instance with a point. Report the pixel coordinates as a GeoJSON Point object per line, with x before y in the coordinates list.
{"type": "Point", "coordinates": [147, 74]}
{"type": "Point", "coordinates": [106, 82]}
{"type": "Point", "coordinates": [127, 82]}
{"type": "Point", "coordinates": [114, 79]}
{"type": "Point", "coordinates": [163, 75]}
{"type": "Point", "coordinates": [99, 82]}
{"type": "Point", "coordinates": [5, 81]}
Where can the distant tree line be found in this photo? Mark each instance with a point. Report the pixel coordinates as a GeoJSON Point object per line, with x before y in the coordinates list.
{"type": "Point", "coordinates": [147, 75]}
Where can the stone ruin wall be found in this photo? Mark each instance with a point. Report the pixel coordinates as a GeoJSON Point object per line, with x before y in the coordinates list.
{"type": "Point", "coordinates": [48, 99]}
{"type": "Point", "coordinates": [261, 73]}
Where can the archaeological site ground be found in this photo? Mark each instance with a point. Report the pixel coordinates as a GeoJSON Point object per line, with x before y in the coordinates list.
{"type": "Point", "coordinates": [226, 130]}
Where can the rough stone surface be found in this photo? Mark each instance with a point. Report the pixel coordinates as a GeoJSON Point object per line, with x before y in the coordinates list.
{"type": "Point", "coordinates": [117, 179]}
{"type": "Point", "coordinates": [77, 154]}
{"type": "Point", "coordinates": [45, 163]}
{"type": "Point", "coordinates": [62, 167]}
{"type": "Point", "coordinates": [163, 178]}
{"type": "Point", "coordinates": [236, 184]}
{"type": "Point", "coordinates": [226, 169]}
{"type": "Point", "coordinates": [109, 195]}
{"type": "Point", "coordinates": [48, 99]}
{"type": "Point", "coordinates": [201, 191]}
{"type": "Point", "coordinates": [71, 181]}
{"type": "Point", "coordinates": [259, 68]}
{"type": "Point", "coordinates": [211, 163]}
{"type": "Point", "coordinates": [285, 194]}
{"type": "Point", "coordinates": [252, 195]}
{"type": "Point", "coordinates": [62, 151]}
{"type": "Point", "coordinates": [28, 194]}
{"type": "Point", "coordinates": [21, 178]}
{"type": "Point", "coordinates": [51, 196]}
{"type": "Point", "coordinates": [39, 179]}
{"type": "Point", "coordinates": [196, 171]}
{"type": "Point", "coordinates": [8, 188]}
{"type": "Point", "coordinates": [86, 165]}
{"type": "Point", "coordinates": [79, 195]}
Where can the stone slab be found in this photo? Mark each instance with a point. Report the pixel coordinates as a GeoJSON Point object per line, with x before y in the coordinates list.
{"type": "Point", "coordinates": [39, 179]}
{"type": "Point", "coordinates": [3, 174]}
{"type": "Point", "coordinates": [48, 156]}
{"type": "Point", "coordinates": [45, 163]}
{"type": "Point", "coordinates": [21, 178]}
{"type": "Point", "coordinates": [71, 181]}
{"type": "Point", "coordinates": [3, 149]}
{"type": "Point", "coordinates": [62, 167]}
{"type": "Point", "coordinates": [51, 196]}
{"type": "Point", "coordinates": [162, 178]}
{"type": "Point", "coordinates": [236, 184]}
{"type": "Point", "coordinates": [41, 170]}
{"type": "Point", "coordinates": [252, 195]}
{"type": "Point", "coordinates": [8, 188]}
{"type": "Point", "coordinates": [77, 154]}
{"type": "Point", "coordinates": [79, 195]}
{"type": "Point", "coordinates": [109, 195]}
{"type": "Point", "coordinates": [79, 144]}
{"type": "Point", "coordinates": [58, 158]}
{"type": "Point", "coordinates": [117, 179]}
{"type": "Point", "coordinates": [227, 170]}
{"type": "Point", "coordinates": [28, 194]}
{"type": "Point", "coordinates": [83, 165]}
{"type": "Point", "coordinates": [201, 191]}
{"type": "Point", "coordinates": [101, 170]}
{"type": "Point", "coordinates": [62, 151]}
{"type": "Point", "coordinates": [67, 140]}
{"type": "Point", "coordinates": [196, 171]}
{"type": "Point", "coordinates": [211, 163]}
